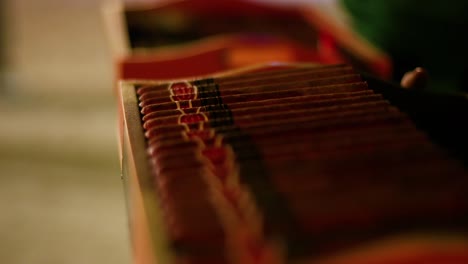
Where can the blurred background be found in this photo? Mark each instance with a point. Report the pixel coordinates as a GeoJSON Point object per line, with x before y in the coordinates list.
{"type": "Point", "coordinates": [61, 196]}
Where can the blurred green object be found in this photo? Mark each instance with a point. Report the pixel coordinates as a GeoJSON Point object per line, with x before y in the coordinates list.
{"type": "Point", "coordinates": [431, 34]}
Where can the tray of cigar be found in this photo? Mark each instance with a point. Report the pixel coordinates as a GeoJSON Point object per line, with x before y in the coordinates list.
{"type": "Point", "coordinates": [294, 163]}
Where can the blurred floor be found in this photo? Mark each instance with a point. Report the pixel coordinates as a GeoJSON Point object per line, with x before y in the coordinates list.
{"type": "Point", "coordinates": [55, 213]}
{"type": "Point", "coordinates": [61, 196]}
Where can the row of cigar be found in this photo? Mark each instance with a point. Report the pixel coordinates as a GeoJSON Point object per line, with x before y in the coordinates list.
{"type": "Point", "coordinates": [273, 166]}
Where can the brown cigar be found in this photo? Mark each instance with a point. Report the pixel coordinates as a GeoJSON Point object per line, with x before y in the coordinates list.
{"type": "Point", "coordinates": [299, 122]}
{"type": "Point", "coordinates": [244, 115]}
{"type": "Point", "coordinates": [302, 142]}
{"type": "Point", "coordinates": [209, 138]}
{"type": "Point", "coordinates": [291, 92]}
{"type": "Point", "coordinates": [183, 91]}
{"type": "Point", "coordinates": [327, 90]}
{"type": "Point", "coordinates": [267, 75]}
{"type": "Point", "coordinates": [231, 133]}
{"type": "Point", "coordinates": [169, 158]}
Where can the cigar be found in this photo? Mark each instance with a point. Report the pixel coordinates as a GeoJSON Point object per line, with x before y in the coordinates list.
{"type": "Point", "coordinates": [231, 80]}
{"type": "Point", "coordinates": [267, 127]}
{"type": "Point", "coordinates": [249, 97]}
{"type": "Point", "coordinates": [319, 141]}
{"type": "Point", "coordinates": [244, 115]}
{"type": "Point", "coordinates": [305, 141]}
{"type": "Point", "coordinates": [183, 91]}
{"type": "Point", "coordinates": [203, 138]}
{"type": "Point", "coordinates": [169, 158]}
{"type": "Point", "coordinates": [325, 91]}
{"type": "Point", "coordinates": [281, 126]}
